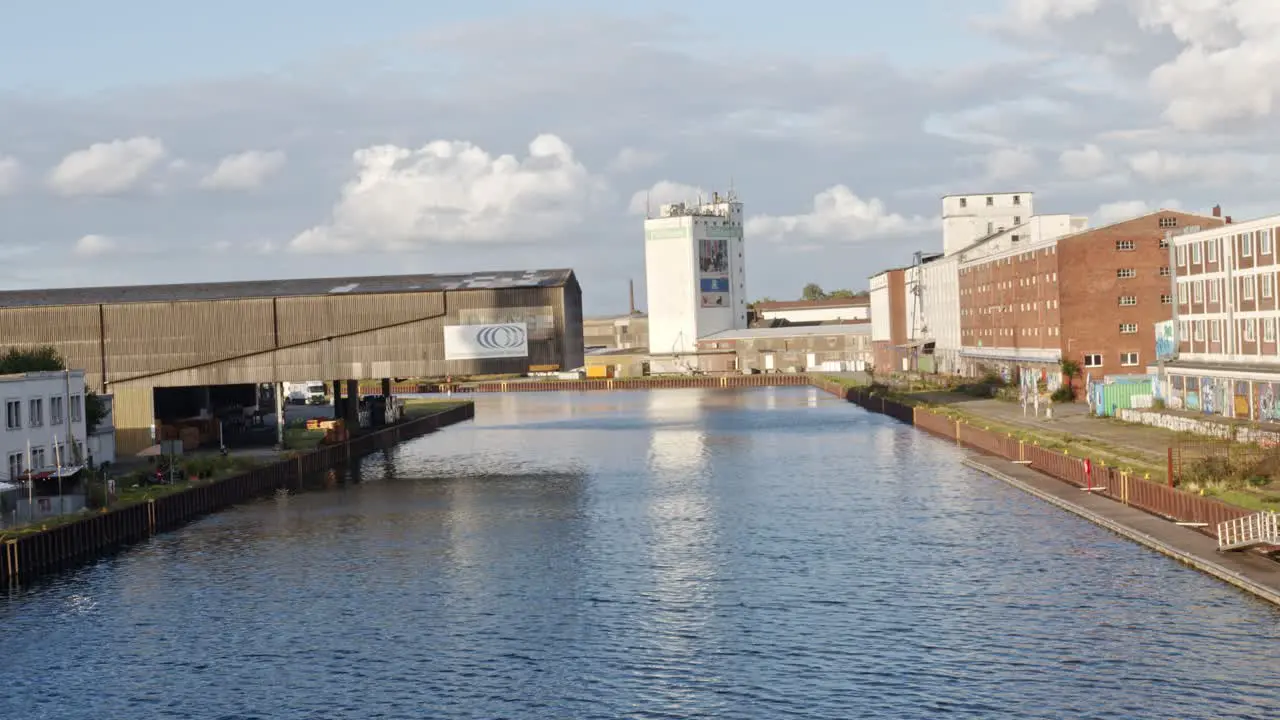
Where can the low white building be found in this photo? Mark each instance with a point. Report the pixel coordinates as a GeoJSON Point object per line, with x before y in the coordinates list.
{"type": "Point", "coordinates": [800, 312]}
{"type": "Point", "coordinates": [41, 411]}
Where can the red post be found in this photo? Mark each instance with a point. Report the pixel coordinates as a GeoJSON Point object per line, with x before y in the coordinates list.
{"type": "Point", "coordinates": [1088, 474]}
{"type": "Point", "coordinates": [1169, 468]}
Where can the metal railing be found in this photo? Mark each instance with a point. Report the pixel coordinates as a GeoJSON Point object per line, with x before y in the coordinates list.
{"type": "Point", "coordinates": [1251, 530]}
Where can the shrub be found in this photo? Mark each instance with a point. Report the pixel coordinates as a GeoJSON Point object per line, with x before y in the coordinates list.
{"type": "Point", "coordinates": [1063, 394]}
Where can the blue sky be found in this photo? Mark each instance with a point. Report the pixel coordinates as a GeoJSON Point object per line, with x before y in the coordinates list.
{"type": "Point", "coordinates": [87, 45]}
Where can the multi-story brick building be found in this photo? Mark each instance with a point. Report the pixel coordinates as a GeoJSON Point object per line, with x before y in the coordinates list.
{"type": "Point", "coordinates": [1225, 328]}
{"type": "Point", "coordinates": [1091, 296]}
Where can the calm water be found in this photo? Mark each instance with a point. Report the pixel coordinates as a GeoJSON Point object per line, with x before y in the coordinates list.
{"type": "Point", "coordinates": [670, 554]}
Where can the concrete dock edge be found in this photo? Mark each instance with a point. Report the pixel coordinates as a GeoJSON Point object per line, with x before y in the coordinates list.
{"type": "Point", "coordinates": [1193, 558]}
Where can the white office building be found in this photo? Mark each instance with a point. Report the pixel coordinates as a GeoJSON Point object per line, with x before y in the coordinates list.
{"type": "Point", "coordinates": [966, 219]}
{"type": "Point", "coordinates": [695, 274]}
{"type": "Point", "coordinates": [41, 411]}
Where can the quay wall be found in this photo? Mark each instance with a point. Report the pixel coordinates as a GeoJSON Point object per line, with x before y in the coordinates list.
{"type": "Point", "coordinates": [75, 543]}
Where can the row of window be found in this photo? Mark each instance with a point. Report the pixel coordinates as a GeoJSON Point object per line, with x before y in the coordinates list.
{"type": "Point", "coordinates": [41, 458]}
{"type": "Point", "coordinates": [1021, 257]}
{"type": "Point", "coordinates": [991, 201]}
{"type": "Point", "coordinates": [1127, 359]}
{"type": "Point", "coordinates": [1196, 329]}
{"type": "Point", "coordinates": [1023, 307]}
{"type": "Point", "coordinates": [1251, 286]}
{"type": "Point", "coordinates": [13, 412]}
{"type": "Point", "coordinates": [1208, 249]}
{"type": "Point", "coordinates": [1008, 332]}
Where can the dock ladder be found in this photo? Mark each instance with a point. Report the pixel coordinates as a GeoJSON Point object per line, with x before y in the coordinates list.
{"type": "Point", "coordinates": [1258, 529]}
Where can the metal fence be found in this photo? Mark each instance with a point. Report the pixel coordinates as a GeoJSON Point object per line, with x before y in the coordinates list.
{"type": "Point", "coordinates": [1203, 460]}
{"type": "Point", "coordinates": [97, 535]}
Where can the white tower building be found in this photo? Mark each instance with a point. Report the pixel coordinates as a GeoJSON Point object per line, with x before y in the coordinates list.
{"type": "Point", "coordinates": [967, 219]}
{"type": "Point", "coordinates": [696, 277]}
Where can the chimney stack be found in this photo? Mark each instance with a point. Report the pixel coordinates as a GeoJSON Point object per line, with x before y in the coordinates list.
{"type": "Point", "coordinates": [1228, 218]}
{"type": "Point", "coordinates": [1217, 211]}
{"type": "Point", "coordinates": [633, 296]}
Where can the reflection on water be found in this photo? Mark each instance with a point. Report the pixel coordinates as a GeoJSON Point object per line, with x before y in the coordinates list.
{"type": "Point", "coordinates": [755, 554]}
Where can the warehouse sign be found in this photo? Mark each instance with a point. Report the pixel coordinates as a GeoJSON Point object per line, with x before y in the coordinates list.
{"type": "Point", "coordinates": [483, 342]}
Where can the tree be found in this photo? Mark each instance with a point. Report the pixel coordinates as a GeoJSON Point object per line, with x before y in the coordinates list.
{"type": "Point", "coordinates": [843, 294]}
{"type": "Point", "coordinates": [94, 411]}
{"type": "Point", "coordinates": [813, 291]}
{"type": "Point", "coordinates": [765, 299]}
{"type": "Point", "coordinates": [1071, 369]}
{"type": "Point", "coordinates": [25, 360]}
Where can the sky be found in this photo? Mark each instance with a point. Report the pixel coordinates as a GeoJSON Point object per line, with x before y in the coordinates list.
{"type": "Point", "coordinates": [148, 142]}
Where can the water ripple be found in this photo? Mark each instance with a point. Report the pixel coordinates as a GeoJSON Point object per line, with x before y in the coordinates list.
{"type": "Point", "coordinates": [676, 554]}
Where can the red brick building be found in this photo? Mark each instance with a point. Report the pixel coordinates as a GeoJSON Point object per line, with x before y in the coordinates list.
{"type": "Point", "coordinates": [1092, 297]}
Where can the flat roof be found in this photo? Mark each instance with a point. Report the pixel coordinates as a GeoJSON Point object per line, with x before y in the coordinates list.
{"type": "Point", "coordinates": [367, 285]}
{"type": "Point", "coordinates": [856, 301]}
{"type": "Point", "coordinates": [993, 194]}
{"type": "Point", "coordinates": [40, 375]}
{"type": "Point", "coordinates": [790, 331]}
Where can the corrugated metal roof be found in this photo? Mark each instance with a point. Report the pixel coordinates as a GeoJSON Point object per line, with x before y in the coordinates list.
{"type": "Point", "coordinates": [788, 332]}
{"type": "Point", "coordinates": [285, 288]}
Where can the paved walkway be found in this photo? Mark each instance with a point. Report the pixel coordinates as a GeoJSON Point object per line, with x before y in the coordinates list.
{"type": "Point", "coordinates": [1248, 571]}
{"type": "Point", "coordinates": [1068, 419]}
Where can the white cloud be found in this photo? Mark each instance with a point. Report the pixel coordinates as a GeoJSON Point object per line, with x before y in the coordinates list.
{"type": "Point", "coordinates": [1219, 168]}
{"type": "Point", "coordinates": [107, 168]}
{"type": "Point", "coordinates": [1127, 209]}
{"type": "Point", "coordinates": [1010, 163]}
{"type": "Point", "coordinates": [663, 192]}
{"type": "Point", "coordinates": [10, 175]}
{"type": "Point", "coordinates": [1085, 162]}
{"type": "Point", "coordinates": [91, 246]}
{"type": "Point", "coordinates": [244, 171]}
{"type": "Point", "coordinates": [446, 192]}
{"type": "Point", "coordinates": [631, 159]}
{"type": "Point", "coordinates": [840, 216]}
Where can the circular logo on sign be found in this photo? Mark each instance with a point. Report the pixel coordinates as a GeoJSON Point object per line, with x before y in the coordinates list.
{"type": "Point", "coordinates": [500, 337]}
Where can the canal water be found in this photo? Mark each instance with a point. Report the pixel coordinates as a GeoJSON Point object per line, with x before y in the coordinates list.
{"type": "Point", "coordinates": [766, 553]}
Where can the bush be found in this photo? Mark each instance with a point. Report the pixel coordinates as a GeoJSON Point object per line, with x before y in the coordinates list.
{"type": "Point", "coordinates": [1063, 394]}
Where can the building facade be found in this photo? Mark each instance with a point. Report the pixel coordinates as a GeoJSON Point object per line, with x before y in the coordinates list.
{"type": "Point", "coordinates": [695, 273]}
{"type": "Point", "coordinates": [967, 219]}
{"type": "Point", "coordinates": [1092, 297]}
{"type": "Point", "coordinates": [889, 321]}
{"type": "Point", "coordinates": [830, 348]}
{"type": "Point", "coordinates": [1224, 326]}
{"type": "Point", "coordinates": [802, 312]}
{"type": "Point", "coordinates": [44, 422]}
{"type": "Point", "coordinates": [616, 333]}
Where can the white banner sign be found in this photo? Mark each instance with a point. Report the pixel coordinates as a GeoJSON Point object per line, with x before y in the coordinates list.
{"type": "Point", "coordinates": [481, 342]}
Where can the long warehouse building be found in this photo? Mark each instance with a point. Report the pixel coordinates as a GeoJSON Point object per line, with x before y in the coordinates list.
{"type": "Point", "coordinates": [131, 341]}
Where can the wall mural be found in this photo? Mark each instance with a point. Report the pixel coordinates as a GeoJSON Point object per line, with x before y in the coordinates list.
{"type": "Point", "coordinates": [1264, 400]}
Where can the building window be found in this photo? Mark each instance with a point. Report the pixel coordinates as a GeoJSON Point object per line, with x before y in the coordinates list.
{"type": "Point", "coordinates": [1017, 199]}
{"type": "Point", "coordinates": [1164, 243]}
{"type": "Point", "coordinates": [1164, 271]}
{"type": "Point", "coordinates": [1129, 359]}
{"type": "Point", "coordinates": [1182, 292]}
{"type": "Point", "coordinates": [1168, 222]}
{"type": "Point", "coordinates": [55, 410]}
{"type": "Point", "coordinates": [1125, 273]}
{"type": "Point", "coordinates": [991, 201]}
{"type": "Point", "coordinates": [13, 414]}
{"type": "Point", "coordinates": [1093, 360]}
{"type": "Point", "coordinates": [1269, 330]}
{"type": "Point", "coordinates": [1128, 328]}
{"type": "Point", "coordinates": [38, 460]}
{"type": "Point", "coordinates": [1166, 299]}
{"type": "Point", "coordinates": [991, 227]}
{"type": "Point", "coordinates": [1124, 245]}
{"type": "Point", "coordinates": [1213, 250]}
{"type": "Point", "coordinates": [1017, 219]}
{"type": "Point", "coordinates": [1195, 252]}
{"type": "Point", "coordinates": [1181, 253]}
{"type": "Point", "coordinates": [1264, 242]}
{"type": "Point", "coordinates": [1246, 244]}
{"type": "Point", "coordinates": [77, 410]}
{"type": "Point", "coordinates": [1213, 291]}
{"type": "Point", "coordinates": [1246, 290]}
{"type": "Point", "coordinates": [1014, 238]}
{"type": "Point", "coordinates": [15, 465]}
{"type": "Point", "coordinates": [35, 413]}
{"type": "Point", "coordinates": [1128, 300]}
{"type": "Point", "coordinates": [964, 202]}
{"type": "Point", "coordinates": [1250, 330]}
{"type": "Point", "coordinates": [1199, 324]}
{"type": "Point", "coordinates": [1197, 291]}
{"type": "Point", "coordinates": [1268, 285]}
{"type": "Point", "coordinates": [1215, 331]}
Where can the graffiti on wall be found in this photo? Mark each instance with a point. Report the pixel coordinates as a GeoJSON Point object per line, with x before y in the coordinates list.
{"type": "Point", "coordinates": [1264, 400]}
